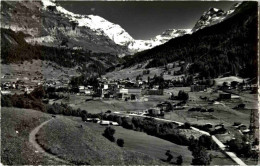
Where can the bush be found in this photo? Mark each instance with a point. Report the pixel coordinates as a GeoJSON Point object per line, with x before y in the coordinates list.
{"type": "Point", "coordinates": [127, 123]}
{"type": "Point", "coordinates": [207, 142]}
{"type": "Point", "coordinates": [183, 95]}
{"type": "Point", "coordinates": [23, 101]}
{"type": "Point", "coordinates": [109, 134]}
{"type": "Point", "coordinates": [201, 156]}
{"type": "Point", "coordinates": [84, 115]}
{"type": "Point", "coordinates": [241, 148]}
{"type": "Point", "coordinates": [169, 155]}
{"type": "Point", "coordinates": [187, 125]}
{"type": "Point", "coordinates": [6, 101]}
{"type": "Point", "coordinates": [179, 160]}
{"type": "Point", "coordinates": [38, 92]}
{"type": "Point", "coordinates": [110, 117]}
{"type": "Point", "coordinates": [65, 109]}
{"type": "Point", "coordinates": [29, 101]}
{"type": "Point", "coordinates": [120, 142]}
{"type": "Point", "coordinates": [137, 122]}
{"type": "Point", "coordinates": [118, 119]}
{"type": "Point", "coordinates": [199, 150]}
{"type": "Point", "coordinates": [169, 106]}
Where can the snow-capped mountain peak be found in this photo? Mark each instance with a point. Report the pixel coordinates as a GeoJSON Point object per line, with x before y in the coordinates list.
{"type": "Point", "coordinates": [115, 32]}
{"type": "Point", "coordinates": [52, 25]}
{"type": "Point", "coordinates": [96, 23]}
{"type": "Point", "coordinates": [140, 45]}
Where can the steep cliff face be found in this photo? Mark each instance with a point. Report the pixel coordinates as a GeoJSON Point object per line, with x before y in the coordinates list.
{"type": "Point", "coordinates": [47, 25]}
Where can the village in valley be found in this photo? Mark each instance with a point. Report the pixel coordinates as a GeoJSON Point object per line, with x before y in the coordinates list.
{"type": "Point", "coordinates": [225, 108]}
{"type": "Point", "coordinates": [77, 89]}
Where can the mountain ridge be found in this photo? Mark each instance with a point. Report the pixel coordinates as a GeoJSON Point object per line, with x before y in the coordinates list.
{"type": "Point", "coordinates": [90, 32]}
{"type": "Point", "coordinates": [223, 47]}
{"type": "Point", "coordinates": [213, 16]}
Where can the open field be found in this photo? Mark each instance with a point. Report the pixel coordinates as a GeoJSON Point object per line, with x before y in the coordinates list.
{"type": "Point", "coordinates": [223, 111]}
{"type": "Point", "coordinates": [16, 126]}
{"type": "Point", "coordinates": [218, 158]}
{"type": "Point", "coordinates": [141, 142]}
{"type": "Point", "coordinates": [153, 146]}
{"type": "Point", "coordinates": [98, 105]}
{"type": "Point", "coordinates": [82, 145]}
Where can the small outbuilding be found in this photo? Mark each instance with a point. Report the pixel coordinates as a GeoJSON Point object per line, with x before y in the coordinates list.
{"type": "Point", "coordinates": [104, 122]}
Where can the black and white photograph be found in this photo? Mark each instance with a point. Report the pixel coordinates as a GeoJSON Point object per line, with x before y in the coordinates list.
{"type": "Point", "coordinates": [129, 82]}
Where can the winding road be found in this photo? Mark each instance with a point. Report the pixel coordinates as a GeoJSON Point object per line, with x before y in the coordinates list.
{"type": "Point", "coordinates": [39, 149]}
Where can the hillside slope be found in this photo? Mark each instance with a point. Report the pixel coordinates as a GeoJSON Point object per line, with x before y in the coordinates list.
{"type": "Point", "coordinates": [14, 49]}
{"type": "Point", "coordinates": [15, 128]}
{"type": "Point", "coordinates": [229, 46]}
{"type": "Point", "coordinates": [85, 146]}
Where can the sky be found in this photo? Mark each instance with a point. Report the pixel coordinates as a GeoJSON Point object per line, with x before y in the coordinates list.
{"type": "Point", "coordinates": [146, 19]}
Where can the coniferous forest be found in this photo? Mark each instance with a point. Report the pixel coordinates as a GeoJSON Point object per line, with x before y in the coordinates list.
{"type": "Point", "coordinates": [230, 46]}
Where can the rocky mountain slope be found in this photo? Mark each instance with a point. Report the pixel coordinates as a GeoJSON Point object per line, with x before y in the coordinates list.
{"type": "Point", "coordinates": [213, 16]}
{"type": "Point", "coordinates": [49, 24]}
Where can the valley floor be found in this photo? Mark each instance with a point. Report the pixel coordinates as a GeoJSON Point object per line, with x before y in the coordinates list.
{"type": "Point", "coordinates": [63, 137]}
{"type": "Point", "coordinates": [71, 139]}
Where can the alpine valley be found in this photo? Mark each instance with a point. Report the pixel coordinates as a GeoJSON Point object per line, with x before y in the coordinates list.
{"type": "Point", "coordinates": [80, 90]}
{"type": "Point", "coordinates": [30, 26]}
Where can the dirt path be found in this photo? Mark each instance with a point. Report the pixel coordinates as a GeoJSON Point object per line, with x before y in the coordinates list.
{"type": "Point", "coordinates": [39, 149]}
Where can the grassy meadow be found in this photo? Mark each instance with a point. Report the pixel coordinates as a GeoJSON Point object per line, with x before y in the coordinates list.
{"type": "Point", "coordinates": [78, 144]}
{"type": "Point", "coordinates": [16, 124]}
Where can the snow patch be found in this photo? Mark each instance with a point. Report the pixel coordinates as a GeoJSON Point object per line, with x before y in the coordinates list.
{"type": "Point", "coordinates": [47, 3]}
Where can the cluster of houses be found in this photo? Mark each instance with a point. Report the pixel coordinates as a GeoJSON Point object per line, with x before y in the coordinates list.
{"type": "Point", "coordinates": [87, 90]}
{"type": "Point", "coordinates": [120, 89]}
{"type": "Point", "coordinates": [243, 86]}
{"type": "Point", "coordinates": [25, 82]}
{"type": "Point", "coordinates": [20, 85]}
{"type": "Point", "coordinates": [21, 81]}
